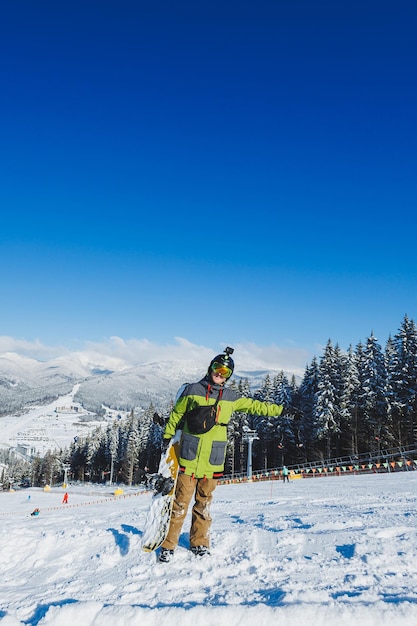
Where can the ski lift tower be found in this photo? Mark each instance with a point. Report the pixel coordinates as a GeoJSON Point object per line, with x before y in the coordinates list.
{"type": "Point", "coordinates": [66, 469]}
{"type": "Point", "coordinates": [249, 436]}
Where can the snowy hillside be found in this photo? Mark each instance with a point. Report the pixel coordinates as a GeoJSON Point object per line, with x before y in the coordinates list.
{"type": "Point", "coordinates": [26, 381]}
{"type": "Point", "coordinates": [116, 384]}
{"type": "Point", "coordinates": [47, 427]}
{"type": "Point", "coordinates": [314, 552]}
{"type": "Point", "coordinates": [31, 391]}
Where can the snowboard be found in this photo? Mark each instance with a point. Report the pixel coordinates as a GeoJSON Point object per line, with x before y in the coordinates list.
{"type": "Point", "coordinates": [159, 513]}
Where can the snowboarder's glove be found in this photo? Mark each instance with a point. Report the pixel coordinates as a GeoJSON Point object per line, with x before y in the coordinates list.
{"type": "Point", "coordinates": [165, 445]}
{"type": "Point", "coordinates": [163, 485]}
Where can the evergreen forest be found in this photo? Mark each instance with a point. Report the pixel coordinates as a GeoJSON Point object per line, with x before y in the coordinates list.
{"type": "Point", "coordinates": [362, 400]}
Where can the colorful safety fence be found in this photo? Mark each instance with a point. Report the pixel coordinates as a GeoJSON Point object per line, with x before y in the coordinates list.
{"type": "Point", "coordinates": [337, 470]}
{"type": "Point", "coordinates": [306, 472]}
{"type": "Point", "coordinates": [118, 495]}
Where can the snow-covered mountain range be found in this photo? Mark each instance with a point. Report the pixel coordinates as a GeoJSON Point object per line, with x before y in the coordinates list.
{"type": "Point", "coordinates": [25, 381]}
{"type": "Point", "coordinates": [43, 405]}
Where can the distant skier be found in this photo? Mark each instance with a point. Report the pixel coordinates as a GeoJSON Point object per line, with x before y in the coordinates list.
{"type": "Point", "coordinates": [65, 498]}
{"type": "Point", "coordinates": [285, 474]}
{"type": "Point", "coordinates": [203, 448]}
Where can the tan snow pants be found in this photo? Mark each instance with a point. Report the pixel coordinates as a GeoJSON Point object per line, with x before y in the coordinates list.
{"type": "Point", "coordinates": [201, 521]}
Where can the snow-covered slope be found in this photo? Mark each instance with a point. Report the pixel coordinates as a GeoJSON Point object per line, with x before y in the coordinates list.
{"type": "Point", "coordinates": [314, 552]}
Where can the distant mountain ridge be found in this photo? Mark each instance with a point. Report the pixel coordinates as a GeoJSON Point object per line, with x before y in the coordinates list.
{"type": "Point", "coordinates": [26, 381]}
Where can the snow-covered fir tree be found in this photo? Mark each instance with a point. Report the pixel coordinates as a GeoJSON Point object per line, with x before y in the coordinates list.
{"type": "Point", "coordinates": [326, 410]}
{"type": "Point", "coordinates": [373, 393]}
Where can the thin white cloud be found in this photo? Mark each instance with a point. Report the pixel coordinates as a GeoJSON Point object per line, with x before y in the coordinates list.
{"type": "Point", "coordinates": [134, 351]}
{"type": "Point", "coordinates": [250, 356]}
{"type": "Point", "coordinates": [118, 353]}
{"type": "Point", "coordinates": [33, 349]}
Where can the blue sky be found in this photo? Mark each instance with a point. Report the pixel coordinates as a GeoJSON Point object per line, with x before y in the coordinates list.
{"type": "Point", "coordinates": [224, 172]}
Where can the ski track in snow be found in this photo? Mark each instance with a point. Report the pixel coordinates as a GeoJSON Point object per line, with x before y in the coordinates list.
{"type": "Point", "coordinates": [308, 552]}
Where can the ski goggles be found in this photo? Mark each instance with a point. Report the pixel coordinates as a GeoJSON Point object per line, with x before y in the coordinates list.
{"type": "Point", "coordinates": [221, 370]}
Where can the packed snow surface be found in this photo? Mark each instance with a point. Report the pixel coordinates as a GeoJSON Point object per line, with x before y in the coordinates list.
{"type": "Point", "coordinates": [316, 551]}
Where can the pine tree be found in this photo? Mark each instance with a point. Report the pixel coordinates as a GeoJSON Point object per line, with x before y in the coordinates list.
{"type": "Point", "coordinates": [326, 414]}
{"type": "Point", "coordinates": [235, 455]}
{"type": "Point", "coordinates": [348, 404]}
{"type": "Point", "coordinates": [93, 444]}
{"type": "Point", "coordinates": [374, 393]}
{"type": "Point", "coordinates": [266, 427]}
{"type": "Point", "coordinates": [112, 449]}
{"type": "Point", "coordinates": [307, 395]}
{"type": "Point", "coordinates": [131, 440]}
{"type": "Point", "coordinates": [402, 381]}
{"type": "Point", "coordinates": [285, 436]}
{"type": "Point", "coordinates": [150, 444]}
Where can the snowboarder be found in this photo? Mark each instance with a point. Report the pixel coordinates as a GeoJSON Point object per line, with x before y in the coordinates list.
{"type": "Point", "coordinates": [35, 512]}
{"type": "Point", "coordinates": [203, 448]}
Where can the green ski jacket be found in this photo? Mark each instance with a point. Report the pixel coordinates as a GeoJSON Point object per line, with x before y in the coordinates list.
{"type": "Point", "coordinates": [204, 455]}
